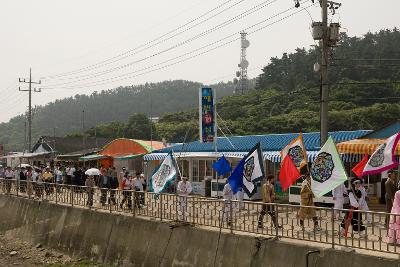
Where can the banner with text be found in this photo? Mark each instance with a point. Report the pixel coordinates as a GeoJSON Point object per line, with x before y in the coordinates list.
{"type": "Point", "coordinates": [207, 116]}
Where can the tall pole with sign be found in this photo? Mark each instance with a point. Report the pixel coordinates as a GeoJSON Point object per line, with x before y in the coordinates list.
{"type": "Point", "coordinates": [208, 117]}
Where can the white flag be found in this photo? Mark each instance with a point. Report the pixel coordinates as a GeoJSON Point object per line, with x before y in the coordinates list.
{"type": "Point", "coordinates": [165, 172]}
{"type": "Point", "coordinates": [327, 171]}
{"type": "Point", "coordinates": [383, 158]}
{"type": "Point", "coordinates": [253, 169]}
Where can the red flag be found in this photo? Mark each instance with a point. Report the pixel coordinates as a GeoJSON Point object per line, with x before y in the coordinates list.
{"type": "Point", "coordinates": [288, 174]}
{"type": "Point", "coordinates": [359, 168]}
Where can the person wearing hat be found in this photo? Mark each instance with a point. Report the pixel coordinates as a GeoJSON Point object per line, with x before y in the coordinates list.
{"type": "Point", "coordinates": [183, 189]}
{"type": "Point", "coordinates": [390, 191]}
{"type": "Point", "coordinates": [353, 217]}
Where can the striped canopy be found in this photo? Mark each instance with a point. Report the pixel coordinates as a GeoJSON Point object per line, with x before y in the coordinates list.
{"type": "Point", "coordinates": [362, 146]}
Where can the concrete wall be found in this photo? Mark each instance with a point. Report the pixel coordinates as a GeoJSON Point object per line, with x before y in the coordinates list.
{"type": "Point", "coordinates": [128, 241]}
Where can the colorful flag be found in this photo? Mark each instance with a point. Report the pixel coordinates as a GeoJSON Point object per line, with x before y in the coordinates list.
{"type": "Point", "coordinates": [297, 152]}
{"type": "Point", "coordinates": [383, 158]}
{"type": "Point", "coordinates": [222, 166]}
{"type": "Point", "coordinates": [288, 173]}
{"type": "Point", "coordinates": [248, 172]}
{"type": "Point", "coordinates": [236, 178]}
{"type": "Point", "coordinates": [359, 168]}
{"type": "Point", "coordinates": [164, 173]}
{"type": "Point", "coordinates": [327, 171]}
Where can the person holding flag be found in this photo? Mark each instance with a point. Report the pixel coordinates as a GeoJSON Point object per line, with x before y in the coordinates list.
{"type": "Point", "coordinates": [353, 217]}
{"type": "Point", "coordinates": [307, 202]}
{"type": "Point", "coordinates": [227, 194]}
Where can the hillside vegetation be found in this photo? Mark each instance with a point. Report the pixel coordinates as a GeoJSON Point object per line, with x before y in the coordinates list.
{"type": "Point", "coordinates": [364, 93]}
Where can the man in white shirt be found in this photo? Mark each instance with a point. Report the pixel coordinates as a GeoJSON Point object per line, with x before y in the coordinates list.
{"type": "Point", "coordinates": [9, 175]}
{"type": "Point", "coordinates": [338, 197]}
{"type": "Point", "coordinates": [183, 189]}
{"type": "Point", "coordinates": [138, 186]}
{"type": "Point", "coordinates": [227, 194]}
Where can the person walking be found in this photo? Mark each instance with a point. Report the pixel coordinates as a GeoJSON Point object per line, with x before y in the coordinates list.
{"type": "Point", "coordinates": [8, 175]}
{"type": "Point", "coordinates": [353, 216]}
{"type": "Point", "coordinates": [113, 186]}
{"type": "Point", "coordinates": [184, 188]}
{"type": "Point", "coordinates": [228, 196]}
{"type": "Point", "coordinates": [138, 186]}
{"type": "Point", "coordinates": [104, 185]}
{"type": "Point", "coordinates": [126, 184]}
{"type": "Point", "coordinates": [363, 201]}
{"type": "Point", "coordinates": [268, 197]}
{"type": "Point", "coordinates": [394, 222]}
{"type": "Point", "coordinates": [90, 184]}
{"type": "Point", "coordinates": [390, 190]}
{"type": "Point", "coordinates": [48, 179]}
{"type": "Point", "coordinates": [339, 194]}
{"type": "Point", "coordinates": [307, 210]}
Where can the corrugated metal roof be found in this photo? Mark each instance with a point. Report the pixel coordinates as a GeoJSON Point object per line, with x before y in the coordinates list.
{"type": "Point", "coordinates": [269, 142]}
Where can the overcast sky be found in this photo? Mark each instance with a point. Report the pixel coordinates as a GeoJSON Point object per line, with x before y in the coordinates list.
{"type": "Point", "coordinates": [81, 46]}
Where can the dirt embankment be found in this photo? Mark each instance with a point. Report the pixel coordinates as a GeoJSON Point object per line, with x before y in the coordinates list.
{"type": "Point", "coordinates": [14, 252]}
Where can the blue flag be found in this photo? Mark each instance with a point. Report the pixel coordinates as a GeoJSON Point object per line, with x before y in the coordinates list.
{"type": "Point", "coordinates": [236, 178]}
{"type": "Point", "coordinates": [222, 166]}
{"type": "Point", "coordinates": [249, 171]}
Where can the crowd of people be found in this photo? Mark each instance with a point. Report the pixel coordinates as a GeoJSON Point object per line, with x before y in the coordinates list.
{"type": "Point", "coordinates": [109, 179]}
{"type": "Point", "coordinates": [37, 181]}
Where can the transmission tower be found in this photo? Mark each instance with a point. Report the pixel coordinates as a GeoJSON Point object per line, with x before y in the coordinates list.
{"type": "Point", "coordinates": [242, 83]}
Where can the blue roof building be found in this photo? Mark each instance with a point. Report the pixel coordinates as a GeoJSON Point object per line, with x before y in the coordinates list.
{"type": "Point", "coordinates": [238, 146]}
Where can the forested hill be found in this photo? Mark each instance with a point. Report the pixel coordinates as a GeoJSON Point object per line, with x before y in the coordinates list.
{"type": "Point", "coordinates": [65, 115]}
{"type": "Point", "coordinates": [364, 82]}
{"type": "Point", "coordinates": [364, 92]}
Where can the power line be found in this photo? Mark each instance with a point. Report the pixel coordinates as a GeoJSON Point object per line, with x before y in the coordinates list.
{"type": "Point", "coordinates": [202, 34]}
{"type": "Point", "coordinates": [90, 67]}
{"type": "Point", "coordinates": [122, 77]}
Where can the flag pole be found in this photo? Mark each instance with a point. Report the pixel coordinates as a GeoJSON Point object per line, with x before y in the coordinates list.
{"type": "Point", "coordinates": [215, 136]}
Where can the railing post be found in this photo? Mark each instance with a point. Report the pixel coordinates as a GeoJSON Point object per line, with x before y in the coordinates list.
{"type": "Point", "coordinates": [231, 215]}
{"type": "Point", "coordinates": [71, 190]}
{"type": "Point", "coordinates": [276, 223]}
{"type": "Point", "coordinates": [17, 184]}
{"type": "Point", "coordinates": [161, 207]}
{"type": "Point", "coordinates": [133, 201]}
{"type": "Point", "coordinates": [56, 193]}
{"type": "Point", "coordinates": [333, 226]}
{"type": "Point", "coordinates": [193, 208]}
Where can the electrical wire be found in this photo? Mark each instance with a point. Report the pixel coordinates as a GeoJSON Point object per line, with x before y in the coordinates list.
{"type": "Point", "coordinates": [202, 34]}
{"type": "Point", "coordinates": [101, 63]}
{"type": "Point", "coordinates": [122, 77]}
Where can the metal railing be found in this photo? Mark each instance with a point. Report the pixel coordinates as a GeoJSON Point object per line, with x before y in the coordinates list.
{"type": "Point", "coordinates": [365, 230]}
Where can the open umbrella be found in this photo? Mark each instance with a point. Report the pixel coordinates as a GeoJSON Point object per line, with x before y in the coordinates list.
{"type": "Point", "coordinates": [24, 165]}
{"type": "Point", "coordinates": [93, 171]}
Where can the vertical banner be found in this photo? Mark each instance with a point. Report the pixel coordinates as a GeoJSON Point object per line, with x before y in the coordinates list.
{"type": "Point", "coordinates": [207, 116]}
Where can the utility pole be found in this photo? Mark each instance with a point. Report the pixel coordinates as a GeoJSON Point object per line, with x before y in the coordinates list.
{"type": "Point", "coordinates": [324, 74]}
{"type": "Point", "coordinates": [30, 82]}
{"type": "Point", "coordinates": [328, 37]}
